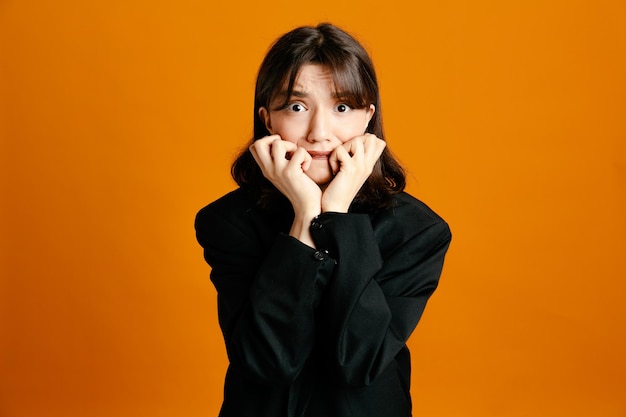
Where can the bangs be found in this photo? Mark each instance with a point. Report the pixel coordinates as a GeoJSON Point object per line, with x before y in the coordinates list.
{"type": "Point", "coordinates": [351, 88]}
{"type": "Point", "coordinates": [352, 82]}
{"type": "Point", "coordinates": [352, 85]}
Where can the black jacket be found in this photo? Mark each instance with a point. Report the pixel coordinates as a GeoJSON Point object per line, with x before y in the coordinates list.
{"type": "Point", "coordinates": [320, 332]}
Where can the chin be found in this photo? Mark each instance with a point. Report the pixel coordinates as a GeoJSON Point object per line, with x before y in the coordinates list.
{"type": "Point", "coordinates": [321, 177]}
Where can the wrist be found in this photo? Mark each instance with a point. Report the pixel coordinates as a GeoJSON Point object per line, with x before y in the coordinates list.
{"type": "Point", "coordinates": [335, 207]}
{"type": "Point", "coordinates": [300, 228]}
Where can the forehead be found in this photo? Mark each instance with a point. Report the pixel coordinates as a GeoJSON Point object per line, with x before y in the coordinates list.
{"type": "Point", "coordinates": [341, 80]}
{"type": "Point", "coordinates": [310, 80]}
{"type": "Point", "coordinates": [312, 76]}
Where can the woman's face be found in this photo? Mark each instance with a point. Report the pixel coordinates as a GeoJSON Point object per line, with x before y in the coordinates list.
{"type": "Point", "coordinates": [315, 118]}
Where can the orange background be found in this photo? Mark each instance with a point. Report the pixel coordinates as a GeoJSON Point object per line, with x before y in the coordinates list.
{"type": "Point", "coordinates": [119, 120]}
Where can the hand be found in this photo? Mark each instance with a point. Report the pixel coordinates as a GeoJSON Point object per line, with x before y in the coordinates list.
{"type": "Point", "coordinates": [352, 163]}
{"type": "Point", "coordinates": [284, 165]}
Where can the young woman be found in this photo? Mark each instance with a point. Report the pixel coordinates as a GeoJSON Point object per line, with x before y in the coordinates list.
{"type": "Point", "coordinates": [322, 264]}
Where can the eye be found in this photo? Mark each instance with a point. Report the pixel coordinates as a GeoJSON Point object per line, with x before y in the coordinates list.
{"type": "Point", "coordinates": [343, 108]}
{"type": "Point", "coordinates": [295, 107]}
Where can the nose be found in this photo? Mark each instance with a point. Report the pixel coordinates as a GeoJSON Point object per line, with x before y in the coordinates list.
{"type": "Point", "coordinates": [319, 127]}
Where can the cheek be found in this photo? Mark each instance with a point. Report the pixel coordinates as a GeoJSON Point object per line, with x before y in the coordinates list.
{"type": "Point", "coordinates": [289, 129]}
{"type": "Point", "coordinates": [352, 127]}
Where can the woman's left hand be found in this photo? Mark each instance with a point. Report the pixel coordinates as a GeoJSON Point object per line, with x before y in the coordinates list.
{"type": "Point", "coordinates": [352, 164]}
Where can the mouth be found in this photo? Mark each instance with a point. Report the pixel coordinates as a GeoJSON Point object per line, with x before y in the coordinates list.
{"type": "Point", "coordinates": [319, 154]}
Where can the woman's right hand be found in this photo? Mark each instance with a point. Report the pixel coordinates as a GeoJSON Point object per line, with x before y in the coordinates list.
{"type": "Point", "coordinates": [284, 164]}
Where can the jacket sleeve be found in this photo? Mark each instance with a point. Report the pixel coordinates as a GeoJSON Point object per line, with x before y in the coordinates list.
{"type": "Point", "coordinates": [373, 303]}
{"type": "Point", "coordinates": [267, 294]}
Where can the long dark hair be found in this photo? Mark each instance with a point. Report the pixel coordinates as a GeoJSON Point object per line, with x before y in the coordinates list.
{"type": "Point", "coordinates": [353, 74]}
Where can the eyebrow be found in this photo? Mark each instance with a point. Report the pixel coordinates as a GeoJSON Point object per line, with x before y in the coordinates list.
{"type": "Point", "coordinates": [303, 94]}
{"type": "Point", "coordinates": [297, 93]}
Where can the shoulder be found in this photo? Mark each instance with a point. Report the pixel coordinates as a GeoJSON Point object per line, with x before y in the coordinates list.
{"type": "Point", "coordinates": [235, 219]}
{"type": "Point", "coordinates": [408, 211]}
{"type": "Point", "coordinates": [407, 218]}
{"type": "Point", "coordinates": [223, 216]}
{"type": "Point", "coordinates": [229, 205]}
{"type": "Point", "coordinates": [407, 205]}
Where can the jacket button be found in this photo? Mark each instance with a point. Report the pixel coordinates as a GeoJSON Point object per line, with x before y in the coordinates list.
{"type": "Point", "coordinates": [320, 255]}
{"type": "Point", "coordinates": [316, 225]}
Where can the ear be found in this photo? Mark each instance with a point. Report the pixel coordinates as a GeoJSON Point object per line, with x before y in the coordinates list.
{"type": "Point", "coordinates": [264, 115]}
{"type": "Point", "coordinates": [370, 113]}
